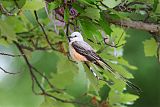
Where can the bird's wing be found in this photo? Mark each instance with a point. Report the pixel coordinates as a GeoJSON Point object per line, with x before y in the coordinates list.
{"type": "Point", "coordinates": [86, 50]}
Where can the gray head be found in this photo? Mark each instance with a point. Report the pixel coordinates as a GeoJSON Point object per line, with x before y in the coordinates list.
{"type": "Point", "coordinates": [75, 36]}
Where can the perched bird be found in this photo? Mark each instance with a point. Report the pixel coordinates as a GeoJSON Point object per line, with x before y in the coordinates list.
{"type": "Point", "coordinates": [81, 51]}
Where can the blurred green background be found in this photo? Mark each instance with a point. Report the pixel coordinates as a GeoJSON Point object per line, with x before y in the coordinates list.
{"type": "Point", "coordinates": [148, 74]}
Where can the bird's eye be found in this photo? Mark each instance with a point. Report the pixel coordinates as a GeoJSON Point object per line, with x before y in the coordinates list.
{"type": "Point", "coordinates": [75, 36]}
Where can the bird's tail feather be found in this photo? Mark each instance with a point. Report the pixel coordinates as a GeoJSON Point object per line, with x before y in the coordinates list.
{"type": "Point", "coordinates": [119, 76]}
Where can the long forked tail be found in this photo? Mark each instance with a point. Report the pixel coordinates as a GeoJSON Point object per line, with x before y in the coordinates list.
{"type": "Point", "coordinates": [101, 63]}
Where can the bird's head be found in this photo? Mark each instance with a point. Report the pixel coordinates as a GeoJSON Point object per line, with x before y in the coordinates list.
{"type": "Point", "coordinates": [75, 36]}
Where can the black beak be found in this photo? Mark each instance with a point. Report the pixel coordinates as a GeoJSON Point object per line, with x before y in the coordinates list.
{"type": "Point", "coordinates": [70, 37]}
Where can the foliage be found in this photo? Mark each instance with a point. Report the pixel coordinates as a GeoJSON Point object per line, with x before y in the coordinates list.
{"type": "Point", "coordinates": [150, 47]}
{"type": "Point", "coordinates": [39, 31]}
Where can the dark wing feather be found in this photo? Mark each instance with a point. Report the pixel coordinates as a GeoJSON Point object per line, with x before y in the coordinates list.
{"type": "Point", "coordinates": [86, 50]}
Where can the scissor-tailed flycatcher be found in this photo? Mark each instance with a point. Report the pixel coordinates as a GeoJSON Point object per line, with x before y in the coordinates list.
{"type": "Point", "coordinates": [82, 51]}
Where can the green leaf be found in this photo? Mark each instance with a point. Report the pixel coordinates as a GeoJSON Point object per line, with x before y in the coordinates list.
{"type": "Point", "coordinates": [39, 56]}
{"type": "Point", "coordinates": [90, 29]}
{"type": "Point", "coordinates": [29, 16]}
{"type": "Point", "coordinates": [122, 61]}
{"type": "Point", "coordinates": [16, 24]}
{"type": "Point", "coordinates": [120, 98]}
{"type": "Point", "coordinates": [105, 25]}
{"type": "Point", "coordinates": [104, 91]}
{"type": "Point", "coordinates": [3, 42]}
{"type": "Point", "coordinates": [128, 98]}
{"type": "Point", "coordinates": [93, 82]}
{"type": "Point", "coordinates": [7, 3]}
{"type": "Point", "coordinates": [42, 13]}
{"type": "Point", "coordinates": [10, 3]}
{"type": "Point", "coordinates": [78, 7]}
{"type": "Point", "coordinates": [34, 4]}
{"type": "Point", "coordinates": [66, 14]}
{"type": "Point", "coordinates": [80, 80]}
{"type": "Point", "coordinates": [91, 1]}
{"type": "Point", "coordinates": [66, 71]}
{"type": "Point", "coordinates": [92, 13]}
{"type": "Point", "coordinates": [150, 47]}
{"type": "Point", "coordinates": [156, 6]}
{"type": "Point", "coordinates": [7, 30]}
{"type": "Point", "coordinates": [117, 33]}
{"type": "Point", "coordinates": [55, 4]}
{"type": "Point", "coordinates": [117, 84]}
{"type": "Point", "coordinates": [116, 95]}
{"type": "Point", "coordinates": [121, 70]}
{"type": "Point", "coordinates": [21, 3]}
{"type": "Point", "coordinates": [111, 3]}
{"type": "Point", "coordinates": [50, 102]}
{"type": "Point", "coordinates": [87, 2]}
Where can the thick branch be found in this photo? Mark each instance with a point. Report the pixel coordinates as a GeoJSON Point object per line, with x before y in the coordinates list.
{"type": "Point", "coordinates": [149, 27]}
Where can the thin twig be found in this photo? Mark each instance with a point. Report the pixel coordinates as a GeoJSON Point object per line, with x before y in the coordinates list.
{"type": "Point", "coordinates": [139, 3]}
{"type": "Point", "coordinates": [126, 7]}
{"type": "Point", "coordinates": [103, 4]}
{"type": "Point", "coordinates": [17, 5]}
{"type": "Point", "coordinates": [5, 11]}
{"type": "Point", "coordinates": [11, 55]}
{"type": "Point", "coordinates": [49, 83]}
{"type": "Point", "coordinates": [7, 71]}
{"type": "Point", "coordinates": [46, 36]}
{"type": "Point", "coordinates": [35, 48]}
{"type": "Point", "coordinates": [114, 46]}
{"type": "Point", "coordinates": [30, 30]}
{"type": "Point", "coordinates": [67, 31]}
{"type": "Point", "coordinates": [119, 38]}
{"type": "Point", "coordinates": [117, 44]}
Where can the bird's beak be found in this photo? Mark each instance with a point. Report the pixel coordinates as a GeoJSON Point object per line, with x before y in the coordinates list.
{"type": "Point", "coordinates": [70, 37]}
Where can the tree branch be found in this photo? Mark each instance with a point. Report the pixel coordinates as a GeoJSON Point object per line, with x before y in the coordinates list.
{"type": "Point", "coordinates": [46, 36]}
{"type": "Point", "coordinates": [7, 71]}
{"type": "Point", "coordinates": [4, 11]}
{"type": "Point", "coordinates": [11, 55]}
{"type": "Point", "coordinates": [35, 80]}
{"type": "Point", "coordinates": [32, 69]}
{"type": "Point", "coordinates": [149, 27]}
